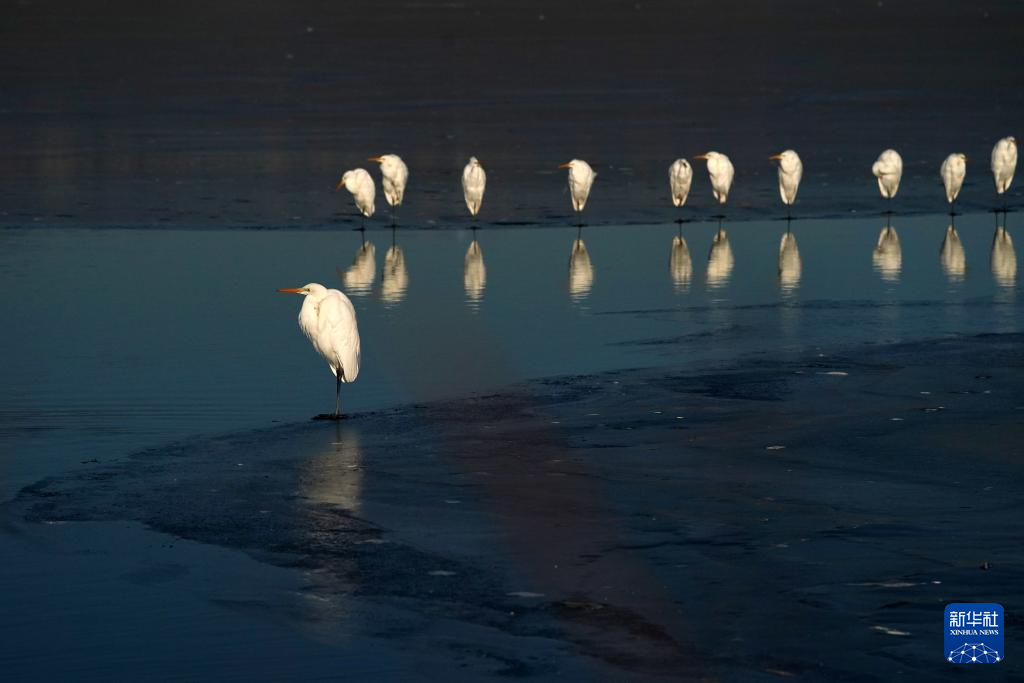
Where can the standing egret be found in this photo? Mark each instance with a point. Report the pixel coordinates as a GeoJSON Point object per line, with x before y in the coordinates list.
{"type": "Point", "coordinates": [680, 177]}
{"type": "Point", "coordinates": [1004, 163]}
{"type": "Point", "coordinates": [888, 169]}
{"type": "Point", "coordinates": [328, 319]}
{"type": "Point", "coordinates": [394, 175]}
{"type": "Point", "coordinates": [581, 179]}
{"type": "Point", "coordinates": [953, 170]}
{"type": "Point", "coordinates": [721, 171]}
{"type": "Point", "coordinates": [791, 170]}
{"type": "Point", "coordinates": [474, 180]}
{"type": "Point", "coordinates": [360, 184]}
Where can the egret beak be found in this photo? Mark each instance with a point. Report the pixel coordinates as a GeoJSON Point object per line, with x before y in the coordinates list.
{"type": "Point", "coordinates": [701, 157]}
{"type": "Point", "coordinates": [775, 157]}
{"type": "Point", "coordinates": [565, 165]}
{"type": "Point", "coordinates": [377, 159]}
{"type": "Point", "coordinates": [292, 290]}
{"type": "Point", "coordinates": [340, 184]}
{"type": "Point", "coordinates": [966, 159]}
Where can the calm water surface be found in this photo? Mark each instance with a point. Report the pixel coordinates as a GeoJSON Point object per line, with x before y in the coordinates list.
{"type": "Point", "coordinates": [122, 339]}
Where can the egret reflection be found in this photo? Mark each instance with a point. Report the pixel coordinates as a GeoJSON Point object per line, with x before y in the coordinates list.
{"type": "Point", "coordinates": [720, 260]}
{"type": "Point", "coordinates": [394, 276]}
{"type": "Point", "coordinates": [952, 256]}
{"type": "Point", "coordinates": [1004, 258]}
{"type": "Point", "coordinates": [474, 275]}
{"type": "Point", "coordinates": [358, 279]}
{"type": "Point", "coordinates": [888, 257]}
{"type": "Point", "coordinates": [790, 265]}
{"type": "Point", "coordinates": [680, 264]}
{"type": "Point", "coordinates": [581, 271]}
{"type": "Point", "coordinates": [335, 476]}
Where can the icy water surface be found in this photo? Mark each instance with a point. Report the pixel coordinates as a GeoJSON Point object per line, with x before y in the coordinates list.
{"type": "Point", "coordinates": [121, 339]}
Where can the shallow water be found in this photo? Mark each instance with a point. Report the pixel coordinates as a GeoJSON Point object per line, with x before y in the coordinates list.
{"type": "Point", "coordinates": [125, 339]}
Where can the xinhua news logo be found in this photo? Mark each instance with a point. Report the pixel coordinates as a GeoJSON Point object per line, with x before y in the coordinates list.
{"type": "Point", "coordinates": [974, 633]}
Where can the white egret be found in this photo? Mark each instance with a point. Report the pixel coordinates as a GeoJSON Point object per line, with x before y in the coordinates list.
{"type": "Point", "coordinates": [952, 256]}
{"type": "Point", "coordinates": [581, 179]}
{"type": "Point", "coordinates": [360, 184]}
{"type": "Point", "coordinates": [721, 171]}
{"type": "Point", "coordinates": [1004, 163]}
{"type": "Point", "coordinates": [888, 169]}
{"type": "Point", "coordinates": [680, 177]}
{"type": "Point", "coordinates": [791, 170]}
{"type": "Point", "coordinates": [394, 176]}
{"type": "Point", "coordinates": [474, 180]}
{"type": "Point", "coordinates": [953, 170]}
{"type": "Point", "coordinates": [328, 319]}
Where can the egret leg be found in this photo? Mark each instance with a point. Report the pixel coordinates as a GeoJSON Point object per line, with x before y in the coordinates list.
{"type": "Point", "coordinates": [337, 396]}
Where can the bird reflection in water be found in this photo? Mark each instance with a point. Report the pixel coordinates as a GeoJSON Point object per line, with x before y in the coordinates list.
{"type": "Point", "coordinates": [394, 278]}
{"type": "Point", "coordinates": [474, 275]}
{"type": "Point", "coordinates": [720, 260]}
{"type": "Point", "coordinates": [790, 265]}
{"type": "Point", "coordinates": [330, 487]}
{"type": "Point", "coordinates": [581, 271]}
{"type": "Point", "coordinates": [335, 476]}
{"type": "Point", "coordinates": [358, 279]}
{"type": "Point", "coordinates": [888, 257]}
{"type": "Point", "coordinates": [1004, 258]}
{"type": "Point", "coordinates": [952, 256]}
{"type": "Point", "coordinates": [680, 264]}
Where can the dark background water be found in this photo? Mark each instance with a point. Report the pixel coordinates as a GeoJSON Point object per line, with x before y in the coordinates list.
{"type": "Point", "coordinates": [223, 114]}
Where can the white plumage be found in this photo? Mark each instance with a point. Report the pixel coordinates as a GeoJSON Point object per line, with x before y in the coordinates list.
{"type": "Point", "coordinates": [1004, 163]}
{"type": "Point", "coordinates": [394, 176]}
{"type": "Point", "coordinates": [721, 171]}
{"type": "Point", "coordinates": [680, 177]}
{"type": "Point", "coordinates": [581, 179]}
{"type": "Point", "coordinates": [474, 181]}
{"type": "Point", "coordinates": [360, 184]}
{"type": "Point", "coordinates": [328, 319]}
{"type": "Point", "coordinates": [888, 169]}
{"type": "Point", "coordinates": [953, 170]}
{"type": "Point", "coordinates": [791, 170]}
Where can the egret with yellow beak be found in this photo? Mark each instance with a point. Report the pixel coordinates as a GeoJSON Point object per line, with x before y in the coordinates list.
{"type": "Point", "coordinates": [328, 320]}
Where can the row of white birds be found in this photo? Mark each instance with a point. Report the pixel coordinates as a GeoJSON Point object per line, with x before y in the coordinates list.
{"type": "Point", "coordinates": [328, 318]}
{"type": "Point", "coordinates": [888, 170]}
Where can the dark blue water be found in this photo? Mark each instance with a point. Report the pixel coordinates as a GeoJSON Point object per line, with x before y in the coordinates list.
{"type": "Point", "coordinates": [125, 338]}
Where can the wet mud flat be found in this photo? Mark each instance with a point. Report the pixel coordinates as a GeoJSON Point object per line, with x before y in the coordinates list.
{"type": "Point", "coordinates": [797, 520]}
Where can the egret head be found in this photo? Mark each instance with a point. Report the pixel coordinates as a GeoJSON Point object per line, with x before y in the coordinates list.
{"type": "Point", "coordinates": [473, 161]}
{"type": "Point", "coordinates": [314, 288]}
{"type": "Point", "coordinates": [344, 182]}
